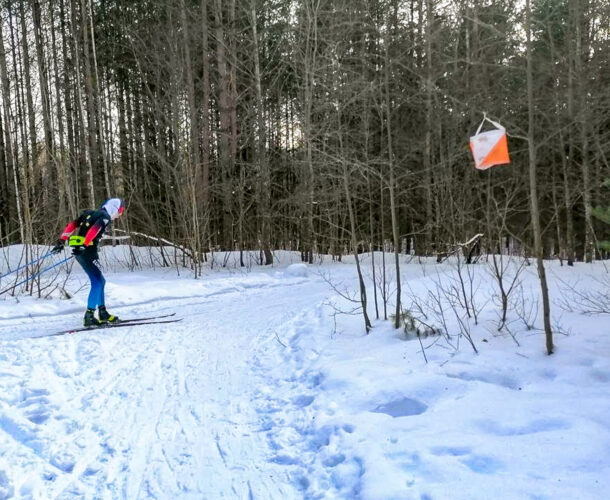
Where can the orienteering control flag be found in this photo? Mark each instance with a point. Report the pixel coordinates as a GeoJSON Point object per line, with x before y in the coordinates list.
{"type": "Point", "coordinates": [489, 148]}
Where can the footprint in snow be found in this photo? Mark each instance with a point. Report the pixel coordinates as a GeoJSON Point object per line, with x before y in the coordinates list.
{"type": "Point", "coordinates": [315, 380]}
{"type": "Point", "coordinates": [303, 401]}
{"type": "Point", "coordinates": [321, 437]}
{"type": "Point", "coordinates": [47, 475]}
{"type": "Point", "coordinates": [476, 463]}
{"type": "Point", "coordinates": [36, 405]}
{"type": "Point", "coordinates": [482, 464]}
{"type": "Point", "coordinates": [488, 378]}
{"type": "Point", "coordinates": [64, 461]}
{"type": "Point", "coordinates": [92, 469]}
{"type": "Point", "coordinates": [285, 460]}
{"type": "Point", "coordinates": [533, 427]}
{"type": "Point", "coordinates": [22, 431]}
{"type": "Point", "coordinates": [455, 451]}
{"type": "Point", "coordinates": [29, 392]}
{"type": "Point", "coordinates": [404, 407]}
{"type": "Point", "coordinates": [38, 415]}
{"type": "Point", "coordinates": [334, 460]}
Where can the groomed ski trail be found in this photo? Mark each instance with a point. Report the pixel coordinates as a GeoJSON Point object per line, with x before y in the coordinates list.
{"type": "Point", "coordinates": [157, 411]}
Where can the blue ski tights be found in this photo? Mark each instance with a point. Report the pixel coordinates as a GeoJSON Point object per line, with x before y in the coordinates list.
{"type": "Point", "coordinates": [89, 264]}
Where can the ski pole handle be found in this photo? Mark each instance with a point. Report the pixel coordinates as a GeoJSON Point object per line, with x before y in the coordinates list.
{"type": "Point", "coordinates": [26, 265]}
{"type": "Point", "coordinates": [36, 274]}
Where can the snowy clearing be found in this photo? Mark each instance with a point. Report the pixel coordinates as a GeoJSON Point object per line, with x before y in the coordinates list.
{"type": "Point", "coordinates": [263, 391]}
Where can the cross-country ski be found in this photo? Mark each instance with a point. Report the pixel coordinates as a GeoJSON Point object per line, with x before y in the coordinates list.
{"type": "Point", "coordinates": [122, 323]}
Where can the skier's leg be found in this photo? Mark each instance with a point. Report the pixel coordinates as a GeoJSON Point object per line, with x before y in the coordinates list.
{"type": "Point", "coordinates": [90, 269]}
{"type": "Point", "coordinates": [102, 313]}
{"type": "Point", "coordinates": [94, 293]}
{"type": "Point", "coordinates": [101, 282]}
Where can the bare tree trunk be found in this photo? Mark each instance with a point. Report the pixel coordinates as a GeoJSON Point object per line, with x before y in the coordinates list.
{"type": "Point", "coordinates": [33, 156]}
{"type": "Point", "coordinates": [90, 100]}
{"type": "Point", "coordinates": [66, 201]}
{"type": "Point", "coordinates": [392, 188]}
{"type": "Point", "coordinates": [366, 133]}
{"type": "Point", "coordinates": [194, 152]}
{"type": "Point", "coordinates": [86, 144]}
{"type": "Point", "coordinates": [429, 224]}
{"type": "Point", "coordinates": [583, 122]}
{"type": "Point", "coordinates": [124, 158]}
{"type": "Point", "coordinates": [353, 227]}
{"type": "Point", "coordinates": [265, 178]}
{"type": "Point", "coordinates": [311, 47]}
{"type": "Point", "coordinates": [560, 244]}
{"type": "Point", "coordinates": [568, 205]}
{"type": "Point", "coordinates": [384, 294]}
{"type": "Point", "coordinates": [74, 198]}
{"type": "Point", "coordinates": [98, 101]}
{"type": "Point", "coordinates": [5, 194]}
{"type": "Point", "coordinates": [26, 166]}
{"type": "Point", "coordinates": [205, 115]}
{"type": "Point", "coordinates": [224, 131]}
{"type": "Point", "coordinates": [44, 94]}
{"type": "Point", "coordinates": [568, 244]}
{"type": "Point", "coordinates": [8, 141]}
{"type": "Point", "coordinates": [533, 189]}
{"type": "Point", "coordinates": [231, 40]}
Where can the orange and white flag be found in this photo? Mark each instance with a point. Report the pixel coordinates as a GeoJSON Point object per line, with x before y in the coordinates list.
{"type": "Point", "coordinates": [489, 148]}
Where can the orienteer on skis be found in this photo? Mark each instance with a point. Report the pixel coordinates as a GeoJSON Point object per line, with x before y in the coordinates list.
{"type": "Point", "coordinates": [83, 235]}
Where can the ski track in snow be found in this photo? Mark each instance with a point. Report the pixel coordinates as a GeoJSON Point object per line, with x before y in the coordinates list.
{"type": "Point", "coordinates": [128, 414]}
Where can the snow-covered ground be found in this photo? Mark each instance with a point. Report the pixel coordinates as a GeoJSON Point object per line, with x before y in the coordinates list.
{"type": "Point", "coordinates": [265, 389]}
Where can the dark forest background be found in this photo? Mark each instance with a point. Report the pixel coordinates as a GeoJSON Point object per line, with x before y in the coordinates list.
{"type": "Point", "coordinates": [311, 125]}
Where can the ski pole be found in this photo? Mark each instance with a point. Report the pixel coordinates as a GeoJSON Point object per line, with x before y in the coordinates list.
{"type": "Point", "coordinates": [36, 274]}
{"type": "Point", "coordinates": [26, 265]}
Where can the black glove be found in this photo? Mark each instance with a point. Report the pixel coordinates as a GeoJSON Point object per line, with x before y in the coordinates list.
{"type": "Point", "coordinates": [59, 246]}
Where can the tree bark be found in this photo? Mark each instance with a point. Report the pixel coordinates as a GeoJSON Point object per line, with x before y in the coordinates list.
{"type": "Point", "coordinates": [44, 92]}
{"type": "Point", "coordinates": [263, 164]}
{"type": "Point", "coordinates": [8, 141]}
{"type": "Point", "coordinates": [533, 189]}
{"type": "Point", "coordinates": [224, 111]}
{"type": "Point", "coordinates": [392, 188]}
{"type": "Point", "coordinates": [205, 115]}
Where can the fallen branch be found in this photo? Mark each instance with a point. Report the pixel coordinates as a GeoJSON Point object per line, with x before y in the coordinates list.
{"type": "Point", "coordinates": [470, 245]}
{"type": "Point", "coordinates": [187, 252]}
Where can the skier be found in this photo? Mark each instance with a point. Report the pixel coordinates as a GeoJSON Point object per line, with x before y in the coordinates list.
{"type": "Point", "coordinates": [89, 228]}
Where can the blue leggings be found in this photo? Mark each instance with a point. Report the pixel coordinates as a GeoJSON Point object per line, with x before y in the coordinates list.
{"type": "Point", "coordinates": [96, 295]}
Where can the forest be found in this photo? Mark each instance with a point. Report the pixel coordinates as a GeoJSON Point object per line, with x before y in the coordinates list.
{"type": "Point", "coordinates": [322, 126]}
